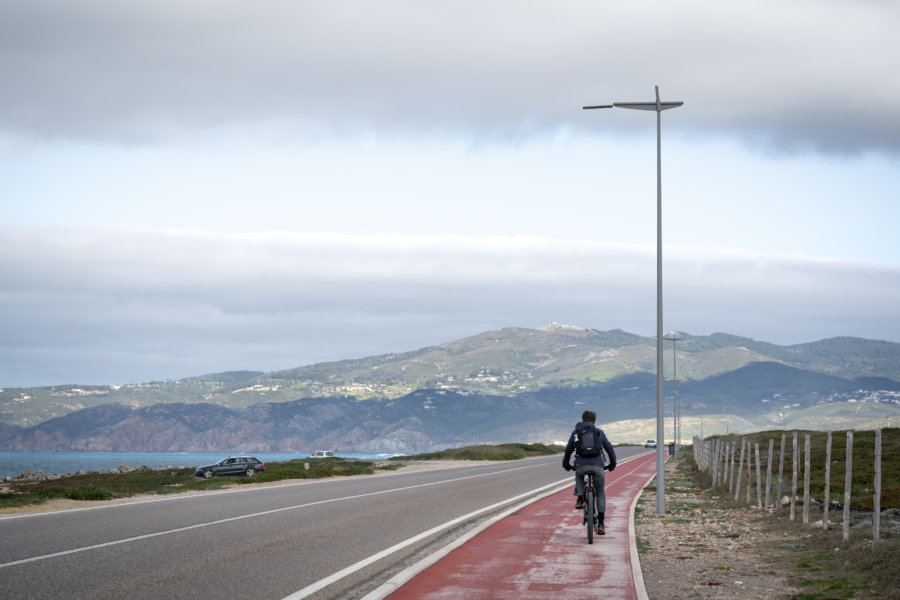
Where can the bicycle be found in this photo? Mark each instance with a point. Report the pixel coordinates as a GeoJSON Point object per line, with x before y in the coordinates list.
{"type": "Point", "coordinates": [592, 506]}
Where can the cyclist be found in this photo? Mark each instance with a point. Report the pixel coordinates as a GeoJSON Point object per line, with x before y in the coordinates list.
{"type": "Point", "coordinates": [593, 464]}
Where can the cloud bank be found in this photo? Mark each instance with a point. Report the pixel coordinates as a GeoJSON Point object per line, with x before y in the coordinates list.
{"type": "Point", "coordinates": [119, 306]}
{"type": "Point", "coordinates": [764, 72]}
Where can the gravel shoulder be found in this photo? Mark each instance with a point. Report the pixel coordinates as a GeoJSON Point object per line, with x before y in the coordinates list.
{"type": "Point", "coordinates": [700, 549]}
{"type": "Point", "coordinates": [708, 547]}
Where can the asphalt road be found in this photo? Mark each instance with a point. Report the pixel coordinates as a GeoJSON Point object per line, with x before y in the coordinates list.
{"type": "Point", "coordinates": [334, 538]}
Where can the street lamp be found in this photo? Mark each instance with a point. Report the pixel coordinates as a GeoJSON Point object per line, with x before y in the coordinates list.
{"type": "Point", "coordinates": [674, 339]}
{"type": "Point", "coordinates": [657, 106]}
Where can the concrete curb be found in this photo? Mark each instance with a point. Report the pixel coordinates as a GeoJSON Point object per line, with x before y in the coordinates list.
{"type": "Point", "coordinates": [636, 572]}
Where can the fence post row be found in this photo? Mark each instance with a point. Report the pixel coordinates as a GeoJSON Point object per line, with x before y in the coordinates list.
{"type": "Point", "coordinates": [726, 467]}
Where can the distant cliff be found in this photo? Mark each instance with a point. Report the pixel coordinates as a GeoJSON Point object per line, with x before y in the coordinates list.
{"type": "Point", "coordinates": [421, 421]}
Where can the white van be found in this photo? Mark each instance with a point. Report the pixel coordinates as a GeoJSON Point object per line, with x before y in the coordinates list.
{"type": "Point", "coordinates": [322, 454]}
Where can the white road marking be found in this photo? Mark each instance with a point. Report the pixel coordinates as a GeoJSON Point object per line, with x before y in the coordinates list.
{"type": "Point", "coordinates": [407, 574]}
{"type": "Point", "coordinates": [249, 516]}
{"type": "Point", "coordinates": [323, 583]}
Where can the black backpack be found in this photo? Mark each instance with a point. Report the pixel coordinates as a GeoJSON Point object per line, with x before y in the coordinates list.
{"type": "Point", "coordinates": [588, 442]}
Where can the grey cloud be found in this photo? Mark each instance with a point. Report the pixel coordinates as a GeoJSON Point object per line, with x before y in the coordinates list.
{"type": "Point", "coordinates": [783, 76]}
{"type": "Point", "coordinates": [122, 306]}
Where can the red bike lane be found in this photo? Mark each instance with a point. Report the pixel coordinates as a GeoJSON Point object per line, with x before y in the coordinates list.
{"type": "Point", "coordinates": [541, 551]}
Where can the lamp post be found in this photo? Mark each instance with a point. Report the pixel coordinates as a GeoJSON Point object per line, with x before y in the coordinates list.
{"type": "Point", "coordinates": [674, 339]}
{"type": "Point", "coordinates": [657, 106]}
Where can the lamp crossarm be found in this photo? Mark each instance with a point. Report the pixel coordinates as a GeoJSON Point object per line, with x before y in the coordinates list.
{"type": "Point", "coordinates": [648, 105]}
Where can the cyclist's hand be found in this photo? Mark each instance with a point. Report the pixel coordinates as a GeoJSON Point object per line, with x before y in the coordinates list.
{"type": "Point", "coordinates": [610, 468]}
{"type": "Point", "coordinates": [568, 467]}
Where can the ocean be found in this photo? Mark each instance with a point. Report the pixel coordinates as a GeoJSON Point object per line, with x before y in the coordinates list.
{"type": "Point", "coordinates": [16, 463]}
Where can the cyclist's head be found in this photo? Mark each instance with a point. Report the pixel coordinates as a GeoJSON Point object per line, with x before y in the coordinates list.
{"type": "Point", "coordinates": [589, 415]}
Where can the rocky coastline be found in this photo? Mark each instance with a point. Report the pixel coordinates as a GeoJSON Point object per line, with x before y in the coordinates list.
{"type": "Point", "coordinates": [41, 476]}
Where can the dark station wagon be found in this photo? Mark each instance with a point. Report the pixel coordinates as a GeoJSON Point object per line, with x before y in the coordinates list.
{"type": "Point", "coordinates": [233, 465]}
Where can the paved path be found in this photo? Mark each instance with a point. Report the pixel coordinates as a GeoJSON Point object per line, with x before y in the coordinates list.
{"type": "Point", "coordinates": [540, 551]}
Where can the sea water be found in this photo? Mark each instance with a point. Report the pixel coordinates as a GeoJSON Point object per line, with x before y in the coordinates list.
{"type": "Point", "coordinates": [16, 463]}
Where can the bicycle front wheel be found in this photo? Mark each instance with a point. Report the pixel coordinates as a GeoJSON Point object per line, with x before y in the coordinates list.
{"type": "Point", "coordinates": [589, 512]}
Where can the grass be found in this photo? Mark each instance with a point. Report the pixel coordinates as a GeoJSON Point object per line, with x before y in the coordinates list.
{"type": "Point", "coordinates": [643, 546]}
{"type": "Point", "coordinates": [108, 486]}
{"type": "Point", "coordinates": [828, 568]}
{"type": "Point", "coordinates": [484, 452]}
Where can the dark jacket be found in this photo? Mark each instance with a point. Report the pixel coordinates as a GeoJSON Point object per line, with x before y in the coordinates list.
{"type": "Point", "coordinates": [589, 460]}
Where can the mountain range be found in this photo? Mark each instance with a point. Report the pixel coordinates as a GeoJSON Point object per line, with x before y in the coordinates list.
{"type": "Point", "coordinates": [511, 384]}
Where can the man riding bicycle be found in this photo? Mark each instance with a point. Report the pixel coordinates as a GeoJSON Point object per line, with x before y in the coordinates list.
{"type": "Point", "coordinates": [586, 461]}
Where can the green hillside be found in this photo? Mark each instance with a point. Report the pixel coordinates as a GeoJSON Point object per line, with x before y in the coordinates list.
{"type": "Point", "coordinates": [503, 361]}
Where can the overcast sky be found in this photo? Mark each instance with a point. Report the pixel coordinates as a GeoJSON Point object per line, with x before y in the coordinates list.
{"type": "Point", "coordinates": [194, 187]}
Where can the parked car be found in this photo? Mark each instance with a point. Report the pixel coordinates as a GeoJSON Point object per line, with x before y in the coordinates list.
{"type": "Point", "coordinates": [322, 454]}
{"type": "Point", "coordinates": [650, 444]}
{"type": "Point", "coordinates": [233, 465]}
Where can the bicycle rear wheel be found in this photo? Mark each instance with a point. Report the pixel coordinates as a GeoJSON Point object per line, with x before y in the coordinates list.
{"type": "Point", "coordinates": [589, 511]}
{"type": "Point", "coordinates": [600, 529]}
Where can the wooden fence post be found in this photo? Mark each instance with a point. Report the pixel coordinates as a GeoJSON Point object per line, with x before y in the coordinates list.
{"type": "Point", "coordinates": [769, 473]}
{"type": "Point", "coordinates": [758, 479]}
{"type": "Point", "coordinates": [737, 490]}
{"type": "Point", "coordinates": [717, 450]}
{"type": "Point", "coordinates": [720, 453]}
{"type": "Point", "coordinates": [780, 473]}
{"type": "Point", "coordinates": [806, 480]}
{"type": "Point", "coordinates": [749, 469]}
{"type": "Point", "coordinates": [715, 464]}
{"type": "Point", "coordinates": [827, 482]}
{"type": "Point", "coordinates": [847, 479]}
{"type": "Point", "coordinates": [700, 444]}
{"type": "Point", "coordinates": [796, 460]}
{"type": "Point", "coordinates": [723, 463]}
{"type": "Point", "coordinates": [731, 467]}
{"type": "Point", "coordinates": [876, 518]}
{"type": "Point", "coordinates": [706, 455]}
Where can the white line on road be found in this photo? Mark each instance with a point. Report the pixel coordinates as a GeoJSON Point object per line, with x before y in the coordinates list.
{"type": "Point", "coordinates": [405, 575]}
{"type": "Point", "coordinates": [191, 496]}
{"type": "Point", "coordinates": [247, 516]}
{"type": "Point", "coordinates": [323, 583]}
